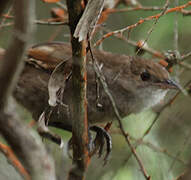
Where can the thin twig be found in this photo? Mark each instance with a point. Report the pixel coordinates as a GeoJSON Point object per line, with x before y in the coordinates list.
{"type": "Point", "coordinates": [140, 141]}
{"type": "Point", "coordinates": [53, 21]}
{"type": "Point", "coordinates": [147, 131]}
{"type": "Point", "coordinates": [186, 140]}
{"type": "Point", "coordinates": [176, 28]}
{"type": "Point", "coordinates": [101, 78]}
{"type": "Point", "coordinates": [140, 8]}
{"type": "Point", "coordinates": [134, 44]}
{"type": "Point", "coordinates": [55, 34]}
{"type": "Point", "coordinates": [147, 8]}
{"type": "Point", "coordinates": [158, 149]}
{"type": "Point", "coordinates": [153, 52]}
{"type": "Point", "coordinates": [185, 65]}
{"type": "Point", "coordinates": [121, 31]}
{"type": "Point", "coordinates": [6, 150]}
{"type": "Point", "coordinates": [154, 25]}
{"type": "Point", "coordinates": [185, 56]}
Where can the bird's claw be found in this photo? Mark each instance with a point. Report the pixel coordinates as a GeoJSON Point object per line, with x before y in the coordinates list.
{"type": "Point", "coordinates": [102, 136]}
{"type": "Point", "coordinates": [97, 144]}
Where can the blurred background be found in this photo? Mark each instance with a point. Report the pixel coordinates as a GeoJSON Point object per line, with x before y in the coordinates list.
{"type": "Point", "coordinates": [165, 150]}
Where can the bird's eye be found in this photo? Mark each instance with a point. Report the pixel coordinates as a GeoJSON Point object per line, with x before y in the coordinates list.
{"type": "Point", "coordinates": [145, 76]}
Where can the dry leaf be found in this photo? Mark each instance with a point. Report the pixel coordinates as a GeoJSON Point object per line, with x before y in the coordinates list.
{"type": "Point", "coordinates": [87, 22]}
{"type": "Point", "coordinates": [57, 82]}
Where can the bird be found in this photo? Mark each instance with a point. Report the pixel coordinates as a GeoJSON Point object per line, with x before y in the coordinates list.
{"type": "Point", "coordinates": [135, 83]}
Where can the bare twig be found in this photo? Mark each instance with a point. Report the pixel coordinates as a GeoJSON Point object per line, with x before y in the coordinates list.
{"type": "Point", "coordinates": [140, 8]}
{"type": "Point", "coordinates": [176, 28]}
{"type": "Point", "coordinates": [155, 148]}
{"type": "Point", "coordinates": [101, 78]}
{"type": "Point", "coordinates": [158, 149]}
{"type": "Point", "coordinates": [185, 65]}
{"type": "Point", "coordinates": [152, 28]}
{"type": "Point", "coordinates": [186, 140]}
{"type": "Point", "coordinates": [14, 161]}
{"type": "Point", "coordinates": [151, 51]}
{"type": "Point", "coordinates": [52, 21]}
{"type": "Point", "coordinates": [134, 44]}
{"type": "Point", "coordinates": [121, 31]}
{"type": "Point", "coordinates": [56, 33]}
{"type": "Point", "coordinates": [147, 8]}
{"type": "Point", "coordinates": [147, 130]}
{"type": "Point", "coordinates": [185, 56]}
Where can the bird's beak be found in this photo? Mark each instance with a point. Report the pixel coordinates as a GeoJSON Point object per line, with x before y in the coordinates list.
{"type": "Point", "coordinates": [175, 85]}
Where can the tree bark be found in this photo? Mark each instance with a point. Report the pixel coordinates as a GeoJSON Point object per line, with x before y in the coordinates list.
{"type": "Point", "coordinates": [79, 104]}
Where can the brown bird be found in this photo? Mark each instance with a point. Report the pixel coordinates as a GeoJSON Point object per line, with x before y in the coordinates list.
{"type": "Point", "coordinates": [136, 84]}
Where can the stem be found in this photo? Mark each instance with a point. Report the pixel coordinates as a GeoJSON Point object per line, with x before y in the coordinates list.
{"type": "Point", "coordinates": [79, 107]}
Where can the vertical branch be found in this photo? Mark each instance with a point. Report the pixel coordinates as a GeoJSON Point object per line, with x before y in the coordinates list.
{"type": "Point", "coordinates": [79, 109]}
{"type": "Point", "coordinates": [9, 71]}
{"type": "Point", "coordinates": [28, 149]}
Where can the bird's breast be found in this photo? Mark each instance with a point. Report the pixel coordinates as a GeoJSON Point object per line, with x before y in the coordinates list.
{"type": "Point", "coordinates": [147, 98]}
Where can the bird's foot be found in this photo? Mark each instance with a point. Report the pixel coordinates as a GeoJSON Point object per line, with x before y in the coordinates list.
{"type": "Point", "coordinates": [102, 137]}
{"type": "Point", "coordinates": [96, 144]}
